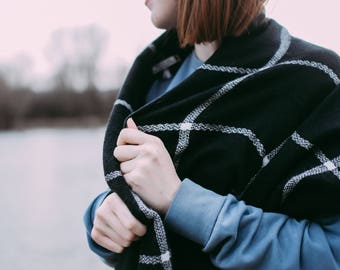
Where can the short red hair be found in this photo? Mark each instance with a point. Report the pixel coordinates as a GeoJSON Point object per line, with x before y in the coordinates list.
{"type": "Point", "coordinates": [209, 20]}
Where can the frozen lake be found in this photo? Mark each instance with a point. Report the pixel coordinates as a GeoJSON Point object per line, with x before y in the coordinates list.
{"type": "Point", "coordinates": [48, 177]}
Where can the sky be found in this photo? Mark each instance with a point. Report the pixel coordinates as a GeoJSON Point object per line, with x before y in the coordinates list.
{"type": "Point", "coordinates": [26, 28]}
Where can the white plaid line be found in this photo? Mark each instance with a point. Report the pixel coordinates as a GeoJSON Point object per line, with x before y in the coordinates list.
{"type": "Point", "coordinates": [207, 127]}
{"type": "Point", "coordinates": [228, 69]}
{"type": "Point", "coordinates": [301, 141]}
{"type": "Point", "coordinates": [284, 45]}
{"type": "Point", "coordinates": [327, 163]}
{"type": "Point", "coordinates": [159, 232]}
{"type": "Point", "coordinates": [265, 161]}
{"type": "Point", "coordinates": [112, 175]}
{"type": "Point", "coordinates": [160, 127]}
{"type": "Point", "coordinates": [291, 184]}
{"type": "Point", "coordinates": [318, 153]}
{"type": "Point", "coordinates": [317, 65]}
{"type": "Point", "coordinates": [185, 126]}
{"type": "Point", "coordinates": [184, 135]}
{"type": "Point", "coordinates": [123, 103]}
{"type": "Point", "coordinates": [145, 259]}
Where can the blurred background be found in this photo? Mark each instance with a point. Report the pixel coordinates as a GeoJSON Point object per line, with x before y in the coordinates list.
{"type": "Point", "coordinates": [61, 65]}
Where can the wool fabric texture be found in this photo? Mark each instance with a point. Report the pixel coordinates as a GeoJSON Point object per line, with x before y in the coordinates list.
{"type": "Point", "coordinates": [260, 120]}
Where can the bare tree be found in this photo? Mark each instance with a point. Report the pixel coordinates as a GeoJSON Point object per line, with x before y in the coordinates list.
{"type": "Point", "coordinates": [17, 71]}
{"type": "Point", "coordinates": [6, 105]}
{"type": "Point", "coordinates": [75, 53]}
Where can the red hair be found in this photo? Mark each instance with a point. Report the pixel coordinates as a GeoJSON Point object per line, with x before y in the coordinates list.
{"type": "Point", "coordinates": [209, 20]}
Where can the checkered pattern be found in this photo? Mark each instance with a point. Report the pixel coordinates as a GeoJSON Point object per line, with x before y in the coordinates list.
{"type": "Point", "coordinates": [263, 150]}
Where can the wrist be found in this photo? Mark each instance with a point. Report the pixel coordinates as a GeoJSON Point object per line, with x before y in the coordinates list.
{"type": "Point", "coordinates": [171, 194]}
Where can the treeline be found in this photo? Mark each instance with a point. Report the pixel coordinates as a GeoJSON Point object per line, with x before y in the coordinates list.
{"type": "Point", "coordinates": [22, 107]}
{"type": "Point", "coordinates": [72, 96]}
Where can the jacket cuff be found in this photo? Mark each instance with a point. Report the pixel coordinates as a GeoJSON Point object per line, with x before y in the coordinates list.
{"type": "Point", "coordinates": [194, 205]}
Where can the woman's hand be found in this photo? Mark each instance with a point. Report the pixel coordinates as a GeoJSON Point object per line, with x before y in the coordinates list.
{"type": "Point", "coordinates": [114, 227]}
{"type": "Point", "coordinates": [147, 167]}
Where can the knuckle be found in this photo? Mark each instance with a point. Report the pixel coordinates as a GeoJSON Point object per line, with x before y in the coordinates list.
{"type": "Point", "coordinates": [95, 235]}
{"type": "Point", "coordinates": [115, 197]}
{"type": "Point", "coordinates": [148, 163]}
{"type": "Point", "coordinates": [115, 151]}
{"type": "Point", "coordinates": [129, 237]}
{"type": "Point", "coordinates": [132, 179]}
{"type": "Point", "coordinates": [118, 249]}
{"type": "Point", "coordinates": [130, 225]}
{"type": "Point", "coordinates": [147, 149]}
{"type": "Point", "coordinates": [143, 230]}
{"type": "Point", "coordinates": [119, 138]}
{"type": "Point", "coordinates": [122, 136]}
{"type": "Point", "coordinates": [126, 243]}
{"type": "Point", "coordinates": [157, 140]}
{"type": "Point", "coordinates": [123, 167]}
{"type": "Point", "coordinates": [124, 132]}
{"type": "Point", "coordinates": [135, 186]}
{"type": "Point", "coordinates": [151, 152]}
{"type": "Point", "coordinates": [113, 200]}
{"type": "Point", "coordinates": [100, 213]}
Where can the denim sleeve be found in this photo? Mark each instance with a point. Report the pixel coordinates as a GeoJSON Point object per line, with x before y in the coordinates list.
{"type": "Point", "coordinates": [239, 236]}
{"type": "Point", "coordinates": [107, 256]}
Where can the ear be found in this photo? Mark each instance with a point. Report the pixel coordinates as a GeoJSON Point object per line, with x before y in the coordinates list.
{"type": "Point", "coordinates": [131, 124]}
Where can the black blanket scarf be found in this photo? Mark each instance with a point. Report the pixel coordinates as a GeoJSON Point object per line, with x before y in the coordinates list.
{"type": "Point", "coordinates": [260, 119]}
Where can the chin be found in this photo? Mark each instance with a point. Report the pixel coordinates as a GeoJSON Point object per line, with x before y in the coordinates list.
{"type": "Point", "coordinates": [162, 24]}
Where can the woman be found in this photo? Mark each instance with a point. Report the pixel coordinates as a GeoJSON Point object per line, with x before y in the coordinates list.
{"type": "Point", "coordinates": [234, 142]}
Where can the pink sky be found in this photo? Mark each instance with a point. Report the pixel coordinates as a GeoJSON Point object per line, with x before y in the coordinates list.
{"type": "Point", "coordinates": [26, 26]}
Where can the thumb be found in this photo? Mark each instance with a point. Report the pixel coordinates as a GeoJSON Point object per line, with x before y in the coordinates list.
{"type": "Point", "coordinates": [131, 124]}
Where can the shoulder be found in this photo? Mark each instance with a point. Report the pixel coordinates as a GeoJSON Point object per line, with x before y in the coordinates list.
{"type": "Point", "coordinates": [313, 56]}
{"type": "Point", "coordinates": [308, 61]}
{"type": "Point", "coordinates": [297, 50]}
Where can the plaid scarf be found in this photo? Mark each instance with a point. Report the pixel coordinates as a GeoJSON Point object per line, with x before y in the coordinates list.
{"type": "Point", "coordinates": [152, 252]}
{"type": "Point", "coordinates": [268, 137]}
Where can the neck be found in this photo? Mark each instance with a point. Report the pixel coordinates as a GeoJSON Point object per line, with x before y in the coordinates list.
{"type": "Point", "coordinates": [204, 50]}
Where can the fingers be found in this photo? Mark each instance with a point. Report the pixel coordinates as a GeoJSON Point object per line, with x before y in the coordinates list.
{"type": "Point", "coordinates": [128, 137]}
{"type": "Point", "coordinates": [131, 124]}
{"type": "Point", "coordinates": [131, 136]}
{"type": "Point", "coordinates": [125, 216]}
{"type": "Point", "coordinates": [127, 166]}
{"type": "Point", "coordinates": [111, 227]}
{"type": "Point", "coordinates": [125, 152]}
{"type": "Point", "coordinates": [114, 226]}
{"type": "Point", "coordinates": [103, 234]}
{"type": "Point", "coordinates": [106, 242]}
